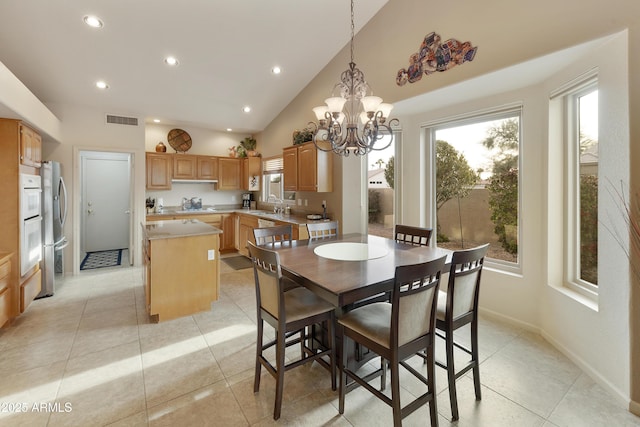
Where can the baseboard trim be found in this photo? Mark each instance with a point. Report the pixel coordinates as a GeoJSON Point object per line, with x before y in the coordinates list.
{"type": "Point", "coordinates": [510, 320]}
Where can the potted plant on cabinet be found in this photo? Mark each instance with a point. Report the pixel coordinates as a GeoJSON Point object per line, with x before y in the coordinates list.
{"type": "Point", "coordinates": [249, 145]}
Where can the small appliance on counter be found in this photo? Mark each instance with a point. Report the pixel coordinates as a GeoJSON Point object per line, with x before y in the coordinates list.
{"type": "Point", "coordinates": [159, 205]}
{"type": "Point", "coordinates": [246, 200]}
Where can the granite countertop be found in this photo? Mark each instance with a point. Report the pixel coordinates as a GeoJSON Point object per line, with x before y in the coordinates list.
{"type": "Point", "coordinates": [168, 229]}
{"type": "Point", "coordinates": [292, 219]}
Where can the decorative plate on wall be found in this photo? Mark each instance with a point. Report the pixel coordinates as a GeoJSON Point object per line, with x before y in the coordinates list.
{"type": "Point", "coordinates": [179, 140]}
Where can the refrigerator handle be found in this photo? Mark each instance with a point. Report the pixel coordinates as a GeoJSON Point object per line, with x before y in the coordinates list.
{"type": "Point", "coordinates": [63, 213]}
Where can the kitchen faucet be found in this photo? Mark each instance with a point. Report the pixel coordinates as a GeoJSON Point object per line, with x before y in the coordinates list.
{"type": "Point", "coordinates": [276, 209]}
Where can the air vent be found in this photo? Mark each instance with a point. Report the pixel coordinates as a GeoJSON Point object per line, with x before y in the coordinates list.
{"type": "Point", "coordinates": [120, 120]}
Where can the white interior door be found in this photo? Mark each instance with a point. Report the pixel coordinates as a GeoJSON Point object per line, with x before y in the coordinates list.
{"type": "Point", "coordinates": [105, 201]}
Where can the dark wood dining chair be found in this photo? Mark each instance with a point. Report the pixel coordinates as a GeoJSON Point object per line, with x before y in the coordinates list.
{"type": "Point", "coordinates": [417, 236]}
{"type": "Point", "coordinates": [287, 312]}
{"type": "Point", "coordinates": [458, 306]}
{"type": "Point", "coordinates": [396, 331]}
{"type": "Point", "coordinates": [321, 230]}
{"type": "Point", "coordinates": [273, 236]}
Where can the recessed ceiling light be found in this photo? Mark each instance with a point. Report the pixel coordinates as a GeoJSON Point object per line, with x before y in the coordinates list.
{"type": "Point", "coordinates": [102, 84]}
{"type": "Point", "coordinates": [229, 129]}
{"type": "Point", "coordinates": [170, 60]}
{"type": "Point", "coordinates": [276, 70]}
{"type": "Point", "coordinates": [93, 21]}
{"type": "Point", "coordinates": [156, 120]}
{"type": "Point", "coordinates": [246, 109]}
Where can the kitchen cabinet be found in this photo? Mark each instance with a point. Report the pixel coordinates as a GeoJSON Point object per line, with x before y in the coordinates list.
{"type": "Point", "coordinates": [159, 168]}
{"type": "Point", "coordinates": [30, 147]}
{"type": "Point", "coordinates": [15, 139]}
{"type": "Point", "coordinates": [251, 166]}
{"type": "Point", "coordinates": [313, 169]}
{"type": "Point", "coordinates": [290, 163]}
{"type": "Point", "coordinates": [181, 272]}
{"type": "Point", "coordinates": [207, 167]}
{"type": "Point", "coordinates": [245, 232]}
{"type": "Point", "coordinates": [228, 243]}
{"type": "Point", "coordinates": [229, 173]}
{"type": "Point", "coordinates": [5, 288]}
{"type": "Point", "coordinates": [29, 289]}
{"type": "Point", "coordinates": [185, 166]}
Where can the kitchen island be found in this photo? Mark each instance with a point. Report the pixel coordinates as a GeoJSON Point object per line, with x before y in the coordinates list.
{"type": "Point", "coordinates": [181, 267]}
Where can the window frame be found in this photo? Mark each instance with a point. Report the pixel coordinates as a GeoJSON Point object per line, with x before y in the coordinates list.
{"type": "Point", "coordinates": [498, 113]}
{"type": "Point", "coordinates": [571, 123]}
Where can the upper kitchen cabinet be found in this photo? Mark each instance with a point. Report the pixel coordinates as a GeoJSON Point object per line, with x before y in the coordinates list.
{"type": "Point", "coordinates": [159, 170]}
{"type": "Point", "coordinates": [290, 164]}
{"type": "Point", "coordinates": [30, 146]}
{"type": "Point", "coordinates": [251, 166]}
{"type": "Point", "coordinates": [314, 169]}
{"type": "Point", "coordinates": [207, 167]}
{"type": "Point", "coordinates": [229, 173]}
{"type": "Point", "coordinates": [185, 166]}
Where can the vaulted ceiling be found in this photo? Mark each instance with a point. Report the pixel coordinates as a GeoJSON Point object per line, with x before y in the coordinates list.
{"type": "Point", "coordinates": [226, 51]}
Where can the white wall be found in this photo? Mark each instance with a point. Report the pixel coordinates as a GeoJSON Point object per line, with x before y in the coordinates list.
{"type": "Point", "coordinates": [596, 337]}
{"type": "Point", "coordinates": [535, 298]}
{"type": "Point", "coordinates": [83, 128]}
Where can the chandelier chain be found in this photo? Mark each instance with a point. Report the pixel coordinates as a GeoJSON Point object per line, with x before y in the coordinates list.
{"type": "Point", "coordinates": [352, 31]}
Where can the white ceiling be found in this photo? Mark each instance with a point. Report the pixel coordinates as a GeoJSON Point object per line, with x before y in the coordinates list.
{"type": "Point", "coordinates": [226, 51]}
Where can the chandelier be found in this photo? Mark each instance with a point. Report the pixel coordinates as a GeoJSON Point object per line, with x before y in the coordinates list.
{"type": "Point", "coordinates": [353, 121]}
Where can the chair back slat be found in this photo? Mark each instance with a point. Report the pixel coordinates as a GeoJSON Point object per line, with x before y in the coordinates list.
{"type": "Point", "coordinates": [321, 230]}
{"type": "Point", "coordinates": [413, 300]}
{"type": "Point", "coordinates": [411, 235]}
{"type": "Point", "coordinates": [273, 236]}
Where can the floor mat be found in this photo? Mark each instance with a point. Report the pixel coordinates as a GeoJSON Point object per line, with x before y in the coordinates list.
{"type": "Point", "coordinates": [101, 259]}
{"type": "Point", "coordinates": [238, 262]}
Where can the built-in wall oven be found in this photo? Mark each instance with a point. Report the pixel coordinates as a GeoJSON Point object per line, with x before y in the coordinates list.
{"type": "Point", "coordinates": [30, 222]}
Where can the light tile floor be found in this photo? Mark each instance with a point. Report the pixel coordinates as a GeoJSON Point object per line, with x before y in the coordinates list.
{"type": "Point", "coordinates": [89, 356]}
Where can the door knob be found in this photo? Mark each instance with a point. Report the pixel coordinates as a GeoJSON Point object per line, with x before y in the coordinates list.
{"type": "Point", "coordinates": [127, 211]}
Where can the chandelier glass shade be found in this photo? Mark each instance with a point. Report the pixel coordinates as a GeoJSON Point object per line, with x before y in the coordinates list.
{"type": "Point", "coordinates": [353, 121]}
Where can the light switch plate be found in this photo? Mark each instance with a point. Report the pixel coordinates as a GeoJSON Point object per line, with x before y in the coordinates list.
{"type": "Point", "coordinates": [211, 254]}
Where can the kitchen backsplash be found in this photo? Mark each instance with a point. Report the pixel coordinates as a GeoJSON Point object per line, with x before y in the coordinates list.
{"type": "Point", "coordinates": [206, 191]}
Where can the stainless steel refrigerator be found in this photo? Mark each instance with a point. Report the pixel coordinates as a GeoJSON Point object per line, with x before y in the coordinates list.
{"type": "Point", "coordinates": [54, 214]}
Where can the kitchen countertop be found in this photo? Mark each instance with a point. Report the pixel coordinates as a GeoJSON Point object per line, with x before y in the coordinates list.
{"type": "Point", "coordinates": [167, 229]}
{"type": "Point", "coordinates": [292, 219]}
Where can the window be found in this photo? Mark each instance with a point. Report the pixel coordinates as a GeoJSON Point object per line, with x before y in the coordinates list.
{"type": "Point", "coordinates": [273, 182]}
{"type": "Point", "coordinates": [582, 177]}
{"type": "Point", "coordinates": [477, 177]}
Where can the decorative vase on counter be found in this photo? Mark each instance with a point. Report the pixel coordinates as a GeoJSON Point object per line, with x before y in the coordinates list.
{"type": "Point", "coordinates": [161, 148]}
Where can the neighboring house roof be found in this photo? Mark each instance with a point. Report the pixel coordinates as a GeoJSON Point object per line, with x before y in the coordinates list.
{"type": "Point", "coordinates": [376, 179]}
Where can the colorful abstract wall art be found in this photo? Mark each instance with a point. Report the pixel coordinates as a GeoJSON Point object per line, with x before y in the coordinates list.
{"type": "Point", "coordinates": [433, 56]}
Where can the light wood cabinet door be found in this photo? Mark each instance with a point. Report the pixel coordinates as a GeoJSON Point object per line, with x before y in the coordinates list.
{"type": "Point", "coordinates": [159, 169]}
{"type": "Point", "coordinates": [207, 167]}
{"type": "Point", "coordinates": [229, 173]}
{"type": "Point", "coordinates": [245, 232]}
{"type": "Point", "coordinates": [290, 162]}
{"type": "Point", "coordinates": [307, 167]}
{"type": "Point", "coordinates": [228, 232]}
{"type": "Point", "coordinates": [251, 166]}
{"type": "Point", "coordinates": [184, 166]}
{"type": "Point", "coordinates": [30, 147]}
{"type": "Point", "coordinates": [5, 291]}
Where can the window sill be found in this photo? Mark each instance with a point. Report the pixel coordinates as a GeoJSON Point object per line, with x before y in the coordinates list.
{"type": "Point", "coordinates": [590, 301]}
